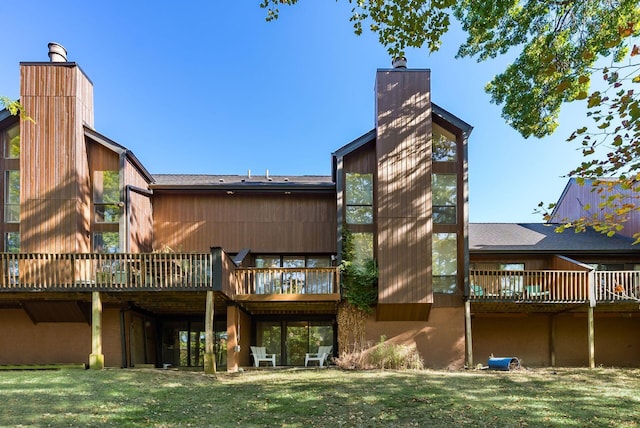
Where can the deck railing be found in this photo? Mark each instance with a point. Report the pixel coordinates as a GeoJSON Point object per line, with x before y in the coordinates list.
{"type": "Point", "coordinates": [104, 272]}
{"type": "Point", "coordinates": [288, 280]}
{"type": "Point", "coordinates": [530, 286]}
{"type": "Point", "coordinates": [553, 286]}
{"type": "Point", "coordinates": [617, 285]}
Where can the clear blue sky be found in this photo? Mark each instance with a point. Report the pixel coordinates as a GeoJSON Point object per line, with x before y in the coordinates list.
{"type": "Point", "coordinates": [210, 87]}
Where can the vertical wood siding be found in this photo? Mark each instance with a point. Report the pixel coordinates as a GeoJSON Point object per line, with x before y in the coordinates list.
{"type": "Point", "coordinates": [404, 186]}
{"type": "Point", "coordinates": [140, 211]}
{"type": "Point", "coordinates": [576, 198]}
{"type": "Point", "coordinates": [54, 178]}
{"type": "Point", "coordinates": [263, 223]}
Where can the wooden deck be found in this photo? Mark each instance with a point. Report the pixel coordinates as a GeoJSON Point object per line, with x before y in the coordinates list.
{"type": "Point", "coordinates": [554, 287]}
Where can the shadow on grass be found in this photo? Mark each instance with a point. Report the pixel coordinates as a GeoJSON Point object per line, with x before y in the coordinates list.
{"type": "Point", "coordinates": [318, 398]}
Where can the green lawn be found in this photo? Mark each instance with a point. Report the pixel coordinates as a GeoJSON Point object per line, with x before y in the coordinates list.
{"type": "Point", "coordinates": [322, 398]}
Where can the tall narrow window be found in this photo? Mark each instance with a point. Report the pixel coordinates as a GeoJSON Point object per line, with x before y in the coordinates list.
{"type": "Point", "coordinates": [445, 262]}
{"type": "Point", "coordinates": [11, 142]}
{"type": "Point", "coordinates": [444, 145]}
{"type": "Point", "coordinates": [362, 248]}
{"type": "Point", "coordinates": [359, 198]}
{"type": "Point", "coordinates": [106, 196]}
{"type": "Point", "coordinates": [445, 197]}
{"type": "Point", "coordinates": [12, 197]}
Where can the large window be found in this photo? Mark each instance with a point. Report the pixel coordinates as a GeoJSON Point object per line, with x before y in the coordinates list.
{"type": "Point", "coordinates": [10, 139]}
{"type": "Point", "coordinates": [445, 197]}
{"type": "Point", "coordinates": [359, 198]}
{"type": "Point", "coordinates": [12, 197]}
{"type": "Point", "coordinates": [444, 145]}
{"type": "Point", "coordinates": [445, 262]}
{"type": "Point", "coordinates": [106, 196]}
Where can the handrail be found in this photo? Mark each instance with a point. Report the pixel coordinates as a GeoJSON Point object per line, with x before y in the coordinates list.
{"type": "Point", "coordinates": [104, 272]}
{"type": "Point", "coordinates": [559, 286]}
{"type": "Point", "coordinates": [288, 280]}
{"type": "Point", "coordinates": [554, 286]}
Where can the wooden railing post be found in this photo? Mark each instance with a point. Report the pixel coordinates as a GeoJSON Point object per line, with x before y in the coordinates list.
{"type": "Point", "coordinates": [209, 335]}
{"type": "Point", "coordinates": [96, 358]}
{"type": "Point", "coordinates": [591, 338]}
{"type": "Point", "coordinates": [468, 333]}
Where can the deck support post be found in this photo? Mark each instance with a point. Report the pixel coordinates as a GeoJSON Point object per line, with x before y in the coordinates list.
{"type": "Point", "coordinates": [591, 338]}
{"type": "Point", "coordinates": [552, 340]}
{"type": "Point", "coordinates": [209, 335]}
{"type": "Point", "coordinates": [96, 358]}
{"type": "Point", "coordinates": [468, 335]}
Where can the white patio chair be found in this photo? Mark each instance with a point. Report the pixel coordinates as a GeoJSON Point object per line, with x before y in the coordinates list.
{"type": "Point", "coordinates": [260, 354]}
{"type": "Point", "coordinates": [320, 356]}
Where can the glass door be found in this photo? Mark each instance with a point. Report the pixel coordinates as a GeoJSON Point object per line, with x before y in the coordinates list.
{"type": "Point", "coordinates": [297, 342]}
{"type": "Point", "coordinates": [292, 340]}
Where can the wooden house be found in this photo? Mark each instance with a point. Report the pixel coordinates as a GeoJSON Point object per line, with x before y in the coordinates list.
{"type": "Point", "coordinates": [106, 264]}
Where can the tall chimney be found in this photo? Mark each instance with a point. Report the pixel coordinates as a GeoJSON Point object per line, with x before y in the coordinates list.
{"type": "Point", "coordinates": [57, 52]}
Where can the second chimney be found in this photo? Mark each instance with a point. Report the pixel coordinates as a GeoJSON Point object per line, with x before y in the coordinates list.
{"type": "Point", "coordinates": [57, 53]}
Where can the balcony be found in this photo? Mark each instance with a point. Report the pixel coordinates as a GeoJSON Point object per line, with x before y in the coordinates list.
{"type": "Point", "coordinates": [105, 272]}
{"type": "Point", "coordinates": [554, 286]}
{"type": "Point", "coordinates": [288, 290]}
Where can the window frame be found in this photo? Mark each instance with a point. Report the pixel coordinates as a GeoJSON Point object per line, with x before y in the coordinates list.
{"type": "Point", "coordinates": [7, 197]}
{"type": "Point", "coordinates": [358, 209]}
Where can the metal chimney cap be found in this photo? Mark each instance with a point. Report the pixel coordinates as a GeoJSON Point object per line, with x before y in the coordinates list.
{"type": "Point", "coordinates": [57, 52]}
{"type": "Point", "coordinates": [399, 62]}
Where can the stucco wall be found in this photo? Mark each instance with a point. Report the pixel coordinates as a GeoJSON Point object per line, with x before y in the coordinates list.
{"type": "Point", "coordinates": [22, 342]}
{"type": "Point", "coordinates": [440, 341]}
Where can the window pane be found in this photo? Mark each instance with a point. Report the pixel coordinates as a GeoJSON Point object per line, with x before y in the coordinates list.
{"type": "Point", "coordinates": [359, 215]}
{"type": "Point", "coordinates": [445, 196]}
{"type": "Point", "coordinates": [106, 187]}
{"type": "Point", "coordinates": [359, 189]}
{"type": "Point", "coordinates": [362, 248]}
{"type": "Point", "coordinates": [444, 215]}
{"type": "Point", "coordinates": [12, 242]}
{"type": "Point", "coordinates": [444, 284]}
{"type": "Point", "coordinates": [12, 197]}
{"type": "Point", "coordinates": [12, 142]}
{"type": "Point", "coordinates": [107, 213]}
{"type": "Point", "coordinates": [106, 242]}
{"type": "Point", "coordinates": [319, 261]}
{"type": "Point", "coordinates": [267, 261]}
{"type": "Point", "coordinates": [445, 259]}
{"type": "Point", "coordinates": [444, 145]}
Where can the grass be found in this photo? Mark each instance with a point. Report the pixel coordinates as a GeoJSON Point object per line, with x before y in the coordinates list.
{"type": "Point", "coordinates": [322, 398]}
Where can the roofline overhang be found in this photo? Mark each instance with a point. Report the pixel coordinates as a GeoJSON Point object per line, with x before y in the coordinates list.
{"type": "Point", "coordinates": [119, 149]}
{"type": "Point", "coordinates": [4, 114]}
{"type": "Point", "coordinates": [600, 252]}
{"type": "Point", "coordinates": [328, 188]}
{"type": "Point", "coordinates": [452, 119]}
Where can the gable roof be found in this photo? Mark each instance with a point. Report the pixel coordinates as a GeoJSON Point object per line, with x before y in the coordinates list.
{"type": "Point", "coordinates": [542, 238]}
{"type": "Point", "coordinates": [95, 136]}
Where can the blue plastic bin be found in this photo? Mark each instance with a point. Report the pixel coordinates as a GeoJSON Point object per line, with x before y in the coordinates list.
{"type": "Point", "coordinates": [504, 363]}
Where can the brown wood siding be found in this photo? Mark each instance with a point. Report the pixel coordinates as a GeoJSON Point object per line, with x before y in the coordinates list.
{"type": "Point", "coordinates": [404, 186]}
{"type": "Point", "coordinates": [140, 211]}
{"type": "Point", "coordinates": [263, 223]}
{"type": "Point", "coordinates": [573, 202]}
{"type": "Point", "coordinates": [54, 178]}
